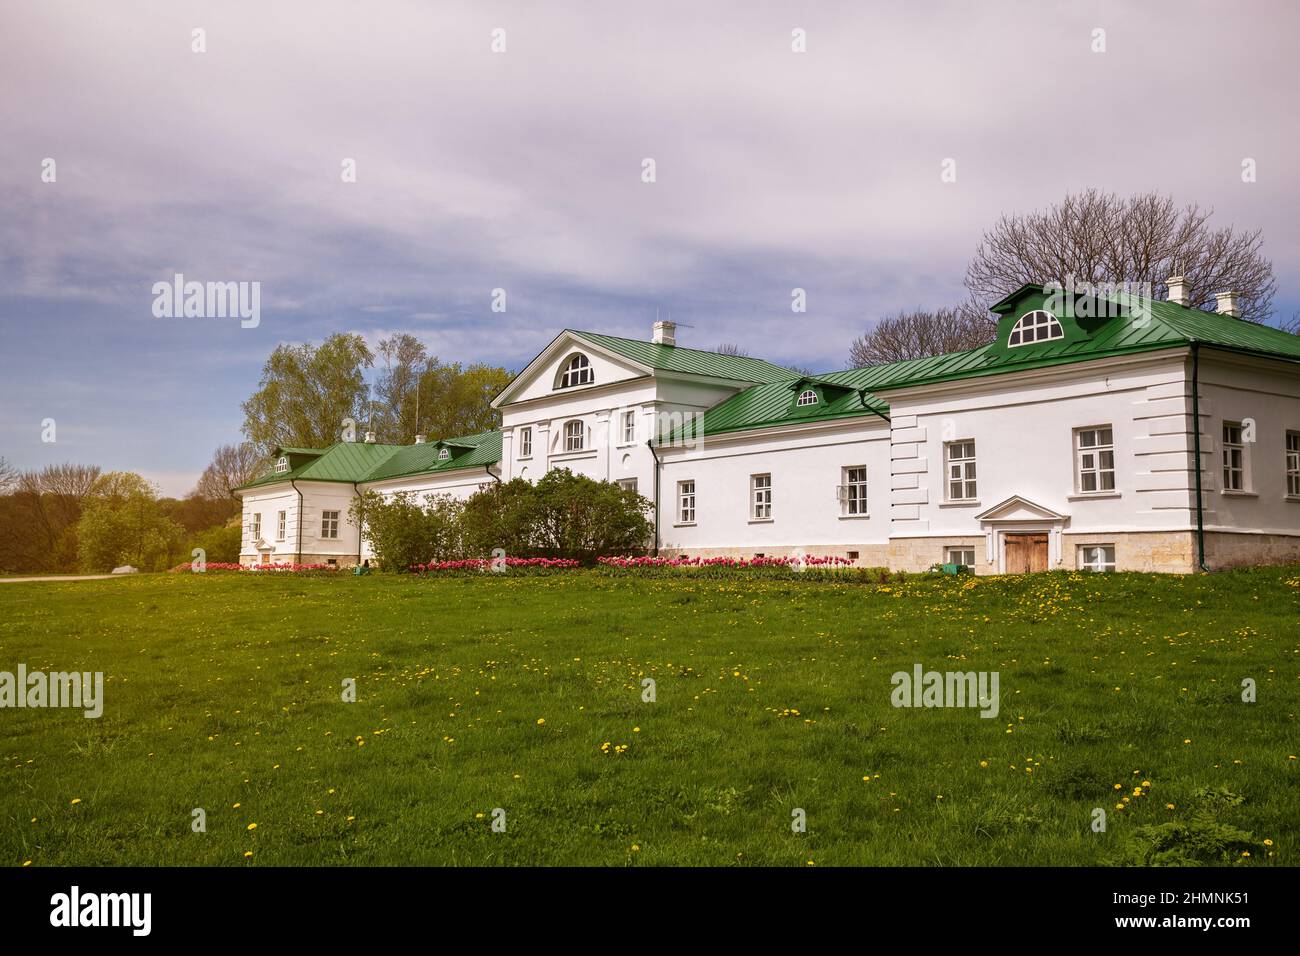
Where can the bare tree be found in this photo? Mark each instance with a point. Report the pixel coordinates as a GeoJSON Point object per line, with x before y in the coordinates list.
{"type": "Point", "coordinates": [8, 475]}
{"type": "Point", "coordinates": [916, 334]}
{"type": "Point", "coordinates": [730, 348]}
{"type": "Point", "coordinates": [231, 466]}
{"type": "Point", "coordinates": [1098, 237]}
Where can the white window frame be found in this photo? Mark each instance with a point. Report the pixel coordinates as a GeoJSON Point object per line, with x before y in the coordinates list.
{"type": "Point", "coordinates": [280, 521]}
{"type": "Point", "coordinates": [575, 435]}
{"type": "Point", "coordinates": [853, 491]}
{"type": "Point", "coordinates": [526, 442]}
{"type": "Point", "coordinates": [257, 525]}
{"type": "Point", "coordinates": [807, 397]}
{"type": "Point", "coordinates": [686, 501]}
{"type": "Point", "coordinates": [577, 371]}
{"type": "Point", "coordinates": [282, 464]}
{"type": "Point", "coordinates": [1291, 452]}
{"type": "Point", "coordinates": [1089, 460]}
{"type": "Point", "coordinates": [444, 454]}
{"type": "Point", "coordinates": [329, 526]}
{"type": "Point", "coordinates": [1036, 326]}
{"type": "Point", "coordinates": [627, 484]}
{"type": "Point", "coordinates": [760, 497]}
{"type": "Point", "coordinates": [629, 428]}
{"type": "Point", "coordinates": [1094, 557]}
{"type": "Point", "coordinates": [1234, 471]}
{"type": "Point", "coordinates": [967, 471]}
{"type": "Point", "coordinates": [960, 550]}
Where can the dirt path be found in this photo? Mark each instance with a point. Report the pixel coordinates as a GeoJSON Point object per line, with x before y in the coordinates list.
{"type": "Point", "coordinates": [64, 577]}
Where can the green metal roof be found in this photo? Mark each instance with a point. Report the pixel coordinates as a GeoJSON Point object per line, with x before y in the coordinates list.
{"type": "Point", "coordinates": [1140, 325]}
{"type": "Point", "coordinates": [673, 358]}
{"type": "Point", "coordinates": [342, 461]}
{"type": "Point", "coordinates": [468, 451]}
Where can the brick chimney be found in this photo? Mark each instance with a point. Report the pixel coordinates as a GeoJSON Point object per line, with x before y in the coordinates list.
{"type": "Point", "coordinates": [421, 439]}
{"type": "Point", "coordinates": [1228, 303]}
{"type": "Point", "coordinates": [1179, 294]}
{"type": "Point", "coordinates": [665, 333]}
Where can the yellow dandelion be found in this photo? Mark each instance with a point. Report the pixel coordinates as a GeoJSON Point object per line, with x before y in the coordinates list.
{"type": "Point", "coordinates": [247, 854]}
{"type": "Point", "coordinates": [252, 826]}
{"type": "Point", "coordinates": [540, 721]}
{"type": "Point", "coordinates": [1268, 843]}
{"type": "Point", "coordinates": [76, 800]}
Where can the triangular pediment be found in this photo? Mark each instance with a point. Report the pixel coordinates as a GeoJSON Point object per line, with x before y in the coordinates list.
{"type": "Point", "coordinates": [1017, 508]}
{"type": "Point", "coordinates": [538, 378]}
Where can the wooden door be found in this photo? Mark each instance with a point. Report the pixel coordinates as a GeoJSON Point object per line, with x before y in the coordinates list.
{"type": "Point", "coordinates": [1025, 553]}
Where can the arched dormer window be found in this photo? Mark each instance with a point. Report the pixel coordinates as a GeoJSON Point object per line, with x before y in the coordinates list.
{"type": "Point", "coordinates": [282, 464]}
{"type": "Point", "coordinates": [577, 371]}
{"type": "Point", "coordinates": [575, 434]}
{"type": "Point", "coordinates": [1036, 326]}
{"type": "Point", "coordinates": [807, 397]}
{"type": "Point", "coordinates": [444, 454]}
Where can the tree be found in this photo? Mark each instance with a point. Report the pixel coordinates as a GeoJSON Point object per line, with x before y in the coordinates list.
{"type": "Point", "coordinates": [307, 392]}
{"type": "Point", "coordinates": [8, 476]}
{"type": "Point", "coordinates": [231, 466]}
{"type": "Point", "coordinates": [415, 393]}
{"type": "Point", "coordinates": [916, 334]}
{"type": "Point", "coordinates": [730, 348]}
{"type": "Point", "coordinates": [39, 515]}
{"type": "Point", "coordinates": [1098, 237]}
{"type": "Point", "coordinates": [220, 544]}
{"type": "Point", "coordinates": [122, 523]}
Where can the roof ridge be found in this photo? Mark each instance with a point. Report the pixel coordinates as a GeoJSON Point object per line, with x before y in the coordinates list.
{"type": "Point", "coordinates": [683, 348]}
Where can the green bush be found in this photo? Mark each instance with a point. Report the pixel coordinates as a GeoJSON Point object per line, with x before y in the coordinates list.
{"type": "Point", "coordinates": [406, 529]}
{"type": "Point", "coordinates": [220, 544]}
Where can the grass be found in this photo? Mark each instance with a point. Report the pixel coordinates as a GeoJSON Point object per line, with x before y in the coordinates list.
{"type": "Point", "coordinates": [223, 692]}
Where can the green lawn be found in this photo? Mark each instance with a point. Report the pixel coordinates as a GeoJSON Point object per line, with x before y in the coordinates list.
{"type": "Point", "coordinates": [224, 692]}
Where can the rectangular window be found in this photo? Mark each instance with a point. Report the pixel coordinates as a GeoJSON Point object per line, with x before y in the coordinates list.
{"type": "Point", "coordinates": [686, 502]}
{"type": "Point", "coordinates": [1097, 557]}
{"type": "Point", "coordinates": [279, 526]}
{"type": "Point", "coordinates": [257, 526]}
{"type": "Point", "coordinates": [760, 497]}
{"type": "Point", "coordinates": [1234, 458]}
{"type": "Point", "coordinates": [960, 460]}
{"type": "Point", "coordinates": [526, 442]}
{"type": "Point", "coordinates": [853, 491]}
{"type": "Point", "coordinates": [629, 427]}
{"type": "Point", "coordinates": [329, 524]}
{"type": "Point", "coordinates": [627, 484]}
{"type": "Point", "coordinates": [574, 432]}
{"type": "Point", "coordinates": [1094, 458]}
{"type": "Point", "coordinates": [1293, 463]}
{"type": "Point", "coordinates": [962, 554]}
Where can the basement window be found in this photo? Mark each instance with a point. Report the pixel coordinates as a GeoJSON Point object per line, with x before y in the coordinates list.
{"type": "Point", "coordinates": [1097, 557]}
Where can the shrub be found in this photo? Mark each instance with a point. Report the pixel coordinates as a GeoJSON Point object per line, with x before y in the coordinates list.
{"type": "Point", "coordinates": [405, 529]}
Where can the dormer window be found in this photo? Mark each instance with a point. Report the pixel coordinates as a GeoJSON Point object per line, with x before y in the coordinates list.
{"type": "Point", "coordinates": [1036, 326]}
{"type": "Point", "coordinates": [577, 371]}
{"type": "Point", "coordinates": [444, 454]}
{"type": "Point", "coordinates": [282, 464]}
{"type": "Point", "coordinates": [807, 397]}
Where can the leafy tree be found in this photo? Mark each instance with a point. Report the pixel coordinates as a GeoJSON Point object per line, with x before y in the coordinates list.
{"type": "Point", "coordinates": [415, 393]}
{"type": "Point", "coordinates": [910, 335]}
{"type": "Point", "coordinates": [406, 529]}
{"type": "Point", "coordinates": [220, 544]}
{"type": "Point", "coordinates": [306, 393]}
{"type": "Point", "coordinates": [38, 518]}
{"type": "Point", "coordinates": [122, 523]}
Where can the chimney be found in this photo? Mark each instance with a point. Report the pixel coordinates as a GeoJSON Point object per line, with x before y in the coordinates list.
{"type": "Point", "coordinates": [1179, 294]}
{"type": "Point", "coordinates": [370, 438]}
{"type": "Point", "coordinates": [665, 333]}
{"type": "Point", "coordinates": [421, 439]}
{"type": "Point", "coordinates": [1228, 303]}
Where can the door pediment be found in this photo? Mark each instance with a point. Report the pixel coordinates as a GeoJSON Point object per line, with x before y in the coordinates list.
{"type": "Point", "coordinates": [1017, 508]}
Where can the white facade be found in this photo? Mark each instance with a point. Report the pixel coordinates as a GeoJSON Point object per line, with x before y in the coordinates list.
{"type": "Point", "coordinates": [1083, 464]}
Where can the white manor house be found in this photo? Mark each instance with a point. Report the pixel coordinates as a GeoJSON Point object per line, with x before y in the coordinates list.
{"type": "Point", "coordinates": [1098, 431]}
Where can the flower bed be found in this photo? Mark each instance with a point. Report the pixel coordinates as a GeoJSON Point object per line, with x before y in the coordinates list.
{"type": "Point", "coordinates": [499, 565]}
{"type": "Point", "coordinates": [276, 568]}
{"type": "Point", "coordinates": [806, 561]}
{"type": "Point", "coordinates": [805, 567]}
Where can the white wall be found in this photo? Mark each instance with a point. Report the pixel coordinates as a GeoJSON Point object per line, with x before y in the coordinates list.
{"type": "Point", "coordinates": [1267, 394]}
{"type": "Point", "coordinates": [805, 464]}
{"type": "Point", "coordinates": [317, 497]}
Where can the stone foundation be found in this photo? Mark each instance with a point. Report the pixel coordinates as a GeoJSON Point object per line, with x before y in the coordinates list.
{"type": "Point", "coordinates": [1224, 550]}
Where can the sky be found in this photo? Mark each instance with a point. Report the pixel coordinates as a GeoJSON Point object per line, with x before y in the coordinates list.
{"type": "Point", "coordinates": [522, 170]}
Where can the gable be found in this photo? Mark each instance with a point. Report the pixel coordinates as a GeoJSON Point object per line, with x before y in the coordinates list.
{"type": "Point", "coordinates": [1017, 508]}
{"type": "Point", "coordinates": [541, 378]}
